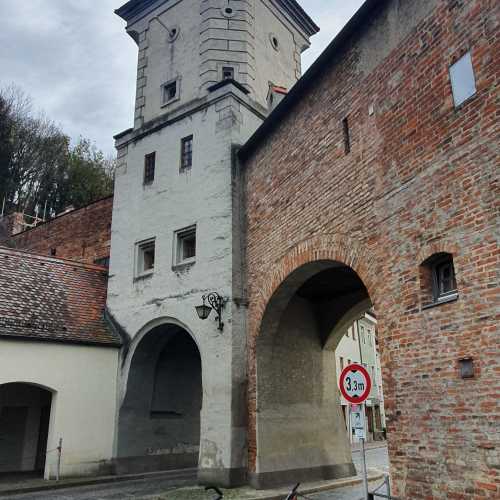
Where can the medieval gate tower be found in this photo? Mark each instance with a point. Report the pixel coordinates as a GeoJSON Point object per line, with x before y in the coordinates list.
{"type": "Point", "coordinates": [208, 73]}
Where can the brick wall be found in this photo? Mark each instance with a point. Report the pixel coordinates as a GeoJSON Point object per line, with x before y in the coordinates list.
{"type": "Point", "coordinates": [421, 178]}
{"type": "Point", "coordinates": [83, 235]}
{"type": "Point", "coordinates": [10, 224]}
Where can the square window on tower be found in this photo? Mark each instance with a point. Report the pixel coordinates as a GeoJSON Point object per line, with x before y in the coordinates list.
{"type": "Point", "coordinates": [170, 91]}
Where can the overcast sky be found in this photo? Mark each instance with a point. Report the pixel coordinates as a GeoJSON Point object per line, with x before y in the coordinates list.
{"type": "Point", "coordinates": [75, 60]}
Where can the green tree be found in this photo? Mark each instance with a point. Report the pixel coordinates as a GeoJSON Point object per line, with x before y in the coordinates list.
{"type": "Point", "coordinates": [89, 175]}
{"type": "Point", "coordinates": [40, 172]}
{"type": "Point", "coordinates": [5, 148]}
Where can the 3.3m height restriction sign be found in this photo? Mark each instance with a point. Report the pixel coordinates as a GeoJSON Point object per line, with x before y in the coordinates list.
{"type": "Point", "coordinates": [355, 383]}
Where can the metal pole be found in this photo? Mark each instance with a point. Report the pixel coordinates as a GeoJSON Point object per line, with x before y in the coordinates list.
{"type": "Point", "coordinates": [363, 461]}
{"type": "Point", "coordinates": [59, 452]}
{"type": "Point", "coordinates": [388, 485]}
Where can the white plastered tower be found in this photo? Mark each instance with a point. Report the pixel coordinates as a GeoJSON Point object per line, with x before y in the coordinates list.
{"type": "Point", "coordinates": [205, 69]}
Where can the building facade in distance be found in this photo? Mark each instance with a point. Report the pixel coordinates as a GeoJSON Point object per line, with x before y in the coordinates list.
{"type": "Point", "coordinates": [359, 345]}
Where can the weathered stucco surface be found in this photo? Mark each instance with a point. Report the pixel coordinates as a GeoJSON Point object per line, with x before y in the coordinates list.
{"type": "Point", "coordinates": [83, 407]}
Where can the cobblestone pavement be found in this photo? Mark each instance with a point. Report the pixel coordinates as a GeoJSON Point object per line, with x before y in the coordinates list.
{"type": "Point", "coordinates": [150, 488]}
{"type": "Point", "coordinates": [375, 458]}
{"type": "Point", "coordinates": [140, 489]}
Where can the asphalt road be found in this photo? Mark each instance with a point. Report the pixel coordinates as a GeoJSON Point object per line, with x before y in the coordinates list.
{"type": "Point", "coordinates": [147, 488]}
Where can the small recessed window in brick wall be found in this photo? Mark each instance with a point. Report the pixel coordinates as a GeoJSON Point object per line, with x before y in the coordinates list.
{"type": "Point", "coordinates": [438, 282]}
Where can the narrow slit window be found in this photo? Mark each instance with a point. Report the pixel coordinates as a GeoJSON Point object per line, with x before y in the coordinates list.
{"type": "Point", "coordinates": [149, 168]}
{"type": "Point", "coordinates": [347, 135]}
{"type": "Point", "coordinates": [187, 153]}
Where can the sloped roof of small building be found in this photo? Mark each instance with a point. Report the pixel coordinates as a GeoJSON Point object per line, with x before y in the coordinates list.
{"type": "Point", "coordinates": [48, 299]}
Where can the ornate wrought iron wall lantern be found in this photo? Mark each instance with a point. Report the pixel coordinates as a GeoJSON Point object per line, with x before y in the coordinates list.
{"type": "Point", "coordinates": [216, 303]}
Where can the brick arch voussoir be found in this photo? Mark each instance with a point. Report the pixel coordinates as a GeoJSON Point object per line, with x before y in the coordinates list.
{"type": "Point", "coordinates": [340, 248]}
{"type": "Point", "coordinates": [441, 246]}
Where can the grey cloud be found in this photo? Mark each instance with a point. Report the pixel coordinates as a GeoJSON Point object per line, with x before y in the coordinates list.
{"type": "Point", "coordinates": [74, 58]}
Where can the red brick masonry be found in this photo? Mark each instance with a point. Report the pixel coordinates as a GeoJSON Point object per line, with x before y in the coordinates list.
{"type": "Point", "coordinates": [43, 298]}
{"type": "Point", "coordinates": [421, 178]}
{"type": "Point", "coordinates": [83, 235]}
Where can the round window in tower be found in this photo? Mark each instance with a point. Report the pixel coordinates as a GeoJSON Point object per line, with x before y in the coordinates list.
{"type": "Point", "coordinates": [228, 11]}
{"type": "Point", "coordinates": [274, 41]}
{"type": "Point", "coordinates": [173, 33]}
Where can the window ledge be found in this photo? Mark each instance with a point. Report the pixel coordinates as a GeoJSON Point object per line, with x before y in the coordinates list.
{"type": "Point", "coordinates": [143, 276]}
{"type": "Point", "coordinates": [463, 104]}
{"type": "Point", "coordinates": [165, 104]}
{"type": "Point", "coordinates": [183, 266]}
{"type": "Point", "coordinates": [443, 300]}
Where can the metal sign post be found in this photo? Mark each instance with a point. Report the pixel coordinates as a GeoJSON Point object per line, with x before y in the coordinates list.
{"type": "Point", "coordinates": [355, 386]}
{"type": "Point", "coordinates": [363, 457]}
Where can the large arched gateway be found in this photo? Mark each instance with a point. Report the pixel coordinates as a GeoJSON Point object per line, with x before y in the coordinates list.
{"type": "Point", "coordinates": [300, 431]}
{"type": "Point", "coordinates": [159, 421]}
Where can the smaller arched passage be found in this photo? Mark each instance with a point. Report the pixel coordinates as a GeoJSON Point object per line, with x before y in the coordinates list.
{"type": "Point", "coordinates": [300, 429]}
{"type": "Point", "coordinates": [24, 427]}
{"type": "Point", "coordinates": [159, 419]}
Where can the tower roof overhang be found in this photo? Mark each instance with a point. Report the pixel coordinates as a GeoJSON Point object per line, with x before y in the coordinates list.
{"type": "Point", "coordinates": [133, 8]}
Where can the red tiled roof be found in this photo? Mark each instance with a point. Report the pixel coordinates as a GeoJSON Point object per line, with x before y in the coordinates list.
{"type": "Point", "coordinates": [44, 298]}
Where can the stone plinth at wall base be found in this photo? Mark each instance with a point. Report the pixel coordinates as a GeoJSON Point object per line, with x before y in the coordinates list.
{"type": "Point", "coordinates": [154, 463]}
{"type": "Point", "coordinates": [266, 480]}
{"type": "Point", "coordinates": [225, 478]}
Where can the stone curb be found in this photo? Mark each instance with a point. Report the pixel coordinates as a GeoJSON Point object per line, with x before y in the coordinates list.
{"type": "Point", "coordinates": [181, 475]}
{"type": "Point", "coordinates": [334, 485]}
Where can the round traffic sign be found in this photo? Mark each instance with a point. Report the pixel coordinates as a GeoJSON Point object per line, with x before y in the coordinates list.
{"type": "Point", "coordinates": [355, 383]}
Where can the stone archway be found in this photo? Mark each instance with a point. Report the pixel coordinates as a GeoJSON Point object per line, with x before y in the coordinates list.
{"type": "Point", "coordinates": [296, 427]}
{"type": "Point", "coordinates": [24, 427]}
{"type": "Point", "coordinates": [159, 419]}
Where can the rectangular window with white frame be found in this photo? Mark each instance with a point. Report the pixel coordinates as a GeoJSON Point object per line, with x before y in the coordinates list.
{"type": "Point", "coordinates": [145, 258]}
{"type": "Point", "coordinates": [185, 246]}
